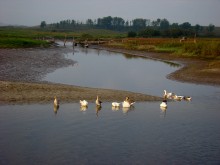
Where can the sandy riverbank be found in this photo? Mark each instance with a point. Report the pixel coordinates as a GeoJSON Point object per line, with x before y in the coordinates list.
{"type": "Point", "coordinates": [22, 69]}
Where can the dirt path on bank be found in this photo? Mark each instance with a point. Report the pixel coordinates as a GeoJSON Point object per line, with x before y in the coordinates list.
{"type": "Point", "coordinates": [22, 69]}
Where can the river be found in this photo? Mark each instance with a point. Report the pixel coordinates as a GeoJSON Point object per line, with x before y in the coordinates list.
{"type": "Point", "coordinates": [187, 132]}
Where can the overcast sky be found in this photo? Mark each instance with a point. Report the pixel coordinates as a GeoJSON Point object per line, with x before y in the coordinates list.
{"type": "Point", "coordinates": [32, 12]}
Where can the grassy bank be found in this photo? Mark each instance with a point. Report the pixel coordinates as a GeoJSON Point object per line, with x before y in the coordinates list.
{"type": "Point", "coordinates": [202, 48]}
{"type": "Point", "coordinates": [11, 37]}
{"type": "Point", "coordinates": [208, 48]}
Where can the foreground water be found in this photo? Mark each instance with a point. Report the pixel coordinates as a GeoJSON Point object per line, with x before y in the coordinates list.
{"type": "Point", "coordinates": [185, 133]}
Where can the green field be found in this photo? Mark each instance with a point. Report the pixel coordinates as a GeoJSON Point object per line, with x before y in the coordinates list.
{"type": "Point", "coordinates": [11, 37]}
{"type": "Point", "coordinates": [209, 48]}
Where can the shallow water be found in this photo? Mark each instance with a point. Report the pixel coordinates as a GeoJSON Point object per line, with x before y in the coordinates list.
{"type": "Point", "coordinates": [185, 133]}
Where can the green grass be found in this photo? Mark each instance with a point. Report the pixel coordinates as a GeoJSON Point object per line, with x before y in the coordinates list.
{"type": "Point", "coordinates": [208, 48]}
{"type": "Point", "coordinates": [11, 37]}
{"type": "Point", "coordinates": [32, 37]}
{"type": "Point", "coordinates": [21, 43]}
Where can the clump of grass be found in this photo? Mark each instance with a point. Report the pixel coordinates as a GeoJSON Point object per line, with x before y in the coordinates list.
{"type": "Point", "coordinates": [202, 49]}
{"type": "Point", "coordinates": [21, 43]}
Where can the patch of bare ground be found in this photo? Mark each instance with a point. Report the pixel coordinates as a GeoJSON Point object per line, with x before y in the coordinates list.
{"type": "Point", "coordinates": [22, 69]}
{"type": "Point", "coordinates": [18, 92]}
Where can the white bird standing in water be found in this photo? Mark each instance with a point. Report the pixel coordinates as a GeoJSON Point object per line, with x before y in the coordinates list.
{"type": "Point", "coordinates": [98, 102]}
{"type": "Point", "coordinates": [127, 103]}
{"type": "Point", "coordinates": [167, 95]}
{"type": "Point", "coordinates": [115, 104]}
{"type": "Point", "coordinates": [164, 104]}
{"type": "Point", "coordinates": [83, 103]}
{"type": "Point", "coordinates": [56, 101]}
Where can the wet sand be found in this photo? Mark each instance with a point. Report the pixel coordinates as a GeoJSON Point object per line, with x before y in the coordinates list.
{"type": "Point", "coordinates": [22, 69]}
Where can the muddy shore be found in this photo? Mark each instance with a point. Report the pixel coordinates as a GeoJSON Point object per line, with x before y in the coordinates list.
{"type": "Point", "coordinates": [197, 71]}
{"type": "Point", "coordinates": [21, 71]}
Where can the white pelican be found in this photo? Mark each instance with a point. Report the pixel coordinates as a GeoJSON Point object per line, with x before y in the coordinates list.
{"type": "Point", "coordinates": [163, 104]}
{"type": "Point", "coordinates": [56, 101]}
{"type": "Point", "coordinates": [115, 104]}
{"type": "Point", "coordinates": [98, 102]}
{"type": "Point", "coordinates": [127, 103]}
{"type": "Point", "coordinates": [83, 103]}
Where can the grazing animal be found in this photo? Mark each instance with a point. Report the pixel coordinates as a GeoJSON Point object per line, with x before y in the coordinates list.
{"type": "Point", "coordinates": [115, 104]}
{"type": "Point", "coordinates": [164, 104]}
{"type": "Point", "coordinates": [98, 102]}
{"type": "Point", "coordinates": [56, 101]}
{"type": "Point", "coordinates": [83, 103]}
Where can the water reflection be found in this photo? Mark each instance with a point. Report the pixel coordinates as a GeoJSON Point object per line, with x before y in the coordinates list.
{"type": "Point", "coordinates": [98, 109]}
{"type": "Point", "coordinates": [163, 111]}
{"type": "Point", "coordinates": [115, 108]}
{"type": "Point", "coordinates": [172, 64]}
{"type": "Point", "coordinates": [83, 108]}
{"type": "Point", "coordinates": [55, 109]}
{"type": "Point", "coordinates": [125, 110]}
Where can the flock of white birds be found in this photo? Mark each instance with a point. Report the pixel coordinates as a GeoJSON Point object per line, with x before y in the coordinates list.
{"type": "Point", "coordinates": [83, 103]}
{"type": "Point", "coordinates": [127, 103]}
{"type": "Point", "coordinates": [172, 96]}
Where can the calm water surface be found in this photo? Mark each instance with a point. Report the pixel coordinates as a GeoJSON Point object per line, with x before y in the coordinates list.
{"type": "Point", "coordinates": [185, 133]}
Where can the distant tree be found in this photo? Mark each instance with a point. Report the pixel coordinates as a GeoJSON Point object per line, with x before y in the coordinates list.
{"type": "Point", "coordinates": [132, 34]}
{"type": "Point", "coordinates": [127, 23]}
{"type": "Point", "coordinates": [139, 23]}
{"type": "Point", "coordinates": [149, 32]}
{"type": "Point", "coordinates": [73, 23]}
{"type": "Point", "coordinates": [164, 24]}
{"type": "Point", "coordinates": [198, 28]}
{"type": "Point", "coordinates": [105, 22]}
{"type": "Point", "coordinates": [210, 28]}
{"type": "Point", "coordinates": [156, 23]}
{"type": "Point", "coordinates": [186, 25]}
{"type": "Point", "coordinates": [89, 22]}
{"type": "Point", "coordinates": [175, 32]}
{"type": "Point", "coordinates": [43, 24]}
{"type": "Point", "coordinates": [174, 25]}
{"type": "Point", "coordinates": [118, 23]}
{"type": "Point", "coordinates": [148, 23]}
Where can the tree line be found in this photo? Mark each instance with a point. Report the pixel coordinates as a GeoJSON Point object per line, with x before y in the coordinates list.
{"type": "Point", "coordinates": [136, 27]}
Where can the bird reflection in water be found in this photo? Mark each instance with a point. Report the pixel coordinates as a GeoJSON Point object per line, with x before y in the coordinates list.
{"type": "Point", "coordinates": [115, 108]}
{"type": "Point", "coordinates": [163, 111]}
{"type": "Point", "coordinates": [55, 109]}
{"type": "Point", "coordinates": [98, 108]}
{"type": "Point", "coordinates": [127, 109]}
{"type": "Point", "coordinates": [56, 105]}
{"type": "Point", "coordinates": [83, 108]}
